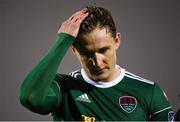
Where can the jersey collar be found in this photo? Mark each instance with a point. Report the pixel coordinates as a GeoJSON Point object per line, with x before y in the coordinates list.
{"type": "Point", "coordinates": [104, 84]}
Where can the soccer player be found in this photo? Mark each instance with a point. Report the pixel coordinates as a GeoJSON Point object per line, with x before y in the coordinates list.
{"type": "Point", "coordinates": [101, 90]}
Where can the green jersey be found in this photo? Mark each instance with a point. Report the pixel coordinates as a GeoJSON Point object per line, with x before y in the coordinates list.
{"type": "Point", "coordinates": [128, 98]}
{"type": "Point", "coordinates": [77, 97]}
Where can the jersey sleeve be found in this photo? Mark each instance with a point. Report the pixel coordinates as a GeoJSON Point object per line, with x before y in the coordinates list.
{"type": "Point", "coordinates": [160, 109]}
{"type": "Point", "coordinates": [39, 92]}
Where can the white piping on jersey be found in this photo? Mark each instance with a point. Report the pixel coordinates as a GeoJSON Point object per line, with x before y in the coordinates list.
{"type": "Point", "coordinates": [130, 75]}
{"type": "Point", "coordinates": [104, 84]}
{"type": "Point", "coordinates": [160, 111]}
{"type": "Point", "coordinates": [75, 73]}
{"type": "Point", "coordinates": [72, 73]}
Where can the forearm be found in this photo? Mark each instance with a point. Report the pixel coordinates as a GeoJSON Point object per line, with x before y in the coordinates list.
{"type": "Point", "coordinates": [34, 88]}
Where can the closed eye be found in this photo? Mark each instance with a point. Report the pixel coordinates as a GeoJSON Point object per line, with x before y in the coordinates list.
{"type": "Point", "coordinates": [86, 53]}
{"type": "Point", "coordinates": [104, 50]}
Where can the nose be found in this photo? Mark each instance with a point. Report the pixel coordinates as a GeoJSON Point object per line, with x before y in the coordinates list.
{"type": "Point", "coordinates": [97, 60]}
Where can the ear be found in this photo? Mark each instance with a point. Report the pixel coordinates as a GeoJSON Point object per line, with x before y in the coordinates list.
{"type": "Point", "coordinates": [118, 40]}
{"type": "Point", "coordinates": [75, 52]}
{"type": "Point", "coordinates": [73, 49]}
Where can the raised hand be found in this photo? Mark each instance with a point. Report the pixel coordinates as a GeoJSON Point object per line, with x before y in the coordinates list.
{"type": "Point", "coordinates": [71, 26]}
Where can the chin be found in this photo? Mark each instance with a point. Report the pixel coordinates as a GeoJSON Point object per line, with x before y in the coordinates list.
{"type": "Point", "coordinates": [102, 77]}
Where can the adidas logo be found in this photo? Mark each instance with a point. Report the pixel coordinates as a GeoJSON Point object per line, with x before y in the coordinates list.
{"type": "Point", "coordinates": [83, 98]}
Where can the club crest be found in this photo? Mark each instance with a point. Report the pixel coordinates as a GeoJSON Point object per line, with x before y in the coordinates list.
{"type": "Point", "coordinates": [128, 103]}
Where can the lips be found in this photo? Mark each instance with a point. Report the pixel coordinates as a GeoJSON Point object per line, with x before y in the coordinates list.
{"type": "Point", "coordinates": [98, 71]}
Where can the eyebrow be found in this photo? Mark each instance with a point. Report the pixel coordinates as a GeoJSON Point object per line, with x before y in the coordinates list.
{"type": "Point", "coordinates": [104, 48]}
{"type": "Point", "coordinates": [89, 52]}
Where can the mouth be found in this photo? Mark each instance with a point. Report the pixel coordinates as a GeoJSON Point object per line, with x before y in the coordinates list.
{"type": "Point", "coordinates": [98, 71]}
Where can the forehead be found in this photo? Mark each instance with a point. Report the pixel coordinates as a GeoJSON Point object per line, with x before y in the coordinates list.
{"type": "Point", "coordinates": [96, 39]}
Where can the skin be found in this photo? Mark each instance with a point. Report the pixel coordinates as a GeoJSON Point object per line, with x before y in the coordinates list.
{"type": "Point", "coordinates": [96, 51]}
{"type": "Point", "coordinates": [71, 26]}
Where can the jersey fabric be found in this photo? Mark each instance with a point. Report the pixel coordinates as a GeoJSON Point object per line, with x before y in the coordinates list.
{"type": "Point", "coordinates": [126, 98]}
{"type": "Point", "coordinates": [76, 97]}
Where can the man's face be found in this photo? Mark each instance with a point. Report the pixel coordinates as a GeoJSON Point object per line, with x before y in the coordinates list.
{"type": "Point", "coordinates": [96, 52]}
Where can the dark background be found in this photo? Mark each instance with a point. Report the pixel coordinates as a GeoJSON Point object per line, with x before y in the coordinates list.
{"type": "Point", "coordinates": [150, 32]}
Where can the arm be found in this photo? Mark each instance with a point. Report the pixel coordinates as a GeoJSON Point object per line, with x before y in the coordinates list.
{"type": "Point", "coordinates": [36, 92]}
{"type": "Point", "coordinates": [160, 109]}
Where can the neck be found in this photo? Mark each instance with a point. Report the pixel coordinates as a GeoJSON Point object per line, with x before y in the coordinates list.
{"type": "Point", "coordinates": [115, 73]}
{"type": "Point", "coordinates": [117, 77]}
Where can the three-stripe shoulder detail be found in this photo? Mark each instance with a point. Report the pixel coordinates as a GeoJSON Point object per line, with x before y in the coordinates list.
{"type": "Point", "coordinates": [75, 73]}
{"type": "Point", "coordinates": [133, 76]}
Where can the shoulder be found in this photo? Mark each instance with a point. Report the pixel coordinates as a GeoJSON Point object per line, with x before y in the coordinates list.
{"type": "Point", "coordinates": [141, 83]}
{"type": "Point", "coordinates": [139, 86]}
{"type": "Point", "coordinates": [75, 73]}
{"type": "Point", "coordinates": [63, 79]}
{"type": "Point", "coordinates": [135, 79]}
{"type": "Point", "coordinates": [147, 90]}
{"type": "Point", "coordinates": [71, 81]}
{"type": "Point", "coordinates": [68, 76]}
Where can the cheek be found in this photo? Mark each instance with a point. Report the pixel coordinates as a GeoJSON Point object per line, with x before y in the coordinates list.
{"type": "Point", "coordinates": [111, 54]}
{"type": "Point", "coordinates": [112, 57]}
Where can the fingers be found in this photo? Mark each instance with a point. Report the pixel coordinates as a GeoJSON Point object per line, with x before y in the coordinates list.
{"type": "Point", "coordinates": [72, 25]}
{"type": "Point", "coordinates": [79, 16]}
{"type": "Point", "coordinates": [79, 19]}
